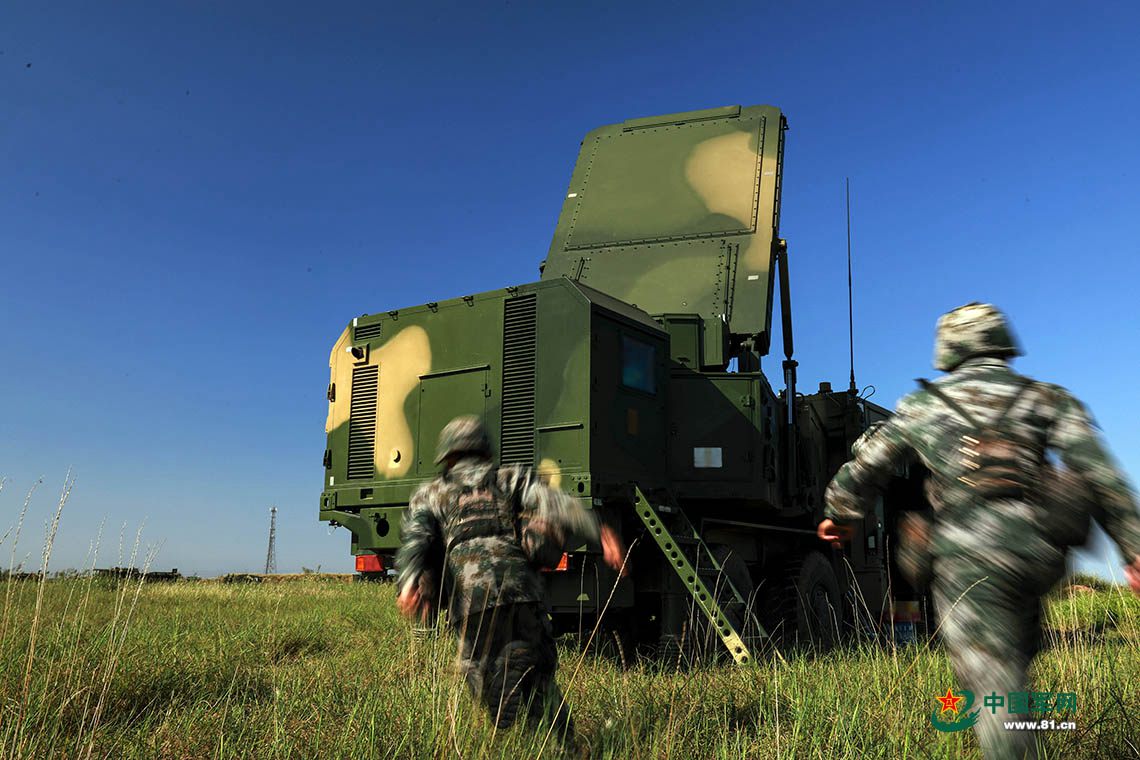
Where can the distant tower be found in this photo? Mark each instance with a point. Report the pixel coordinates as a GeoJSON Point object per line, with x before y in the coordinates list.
{"type": "Point", "coordinates": [271, 555]}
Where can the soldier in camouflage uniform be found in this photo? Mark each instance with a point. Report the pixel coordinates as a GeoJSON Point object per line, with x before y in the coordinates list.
{"type": "Point", "coordinates": [493, 527]}
{"type": "Point", "coordinates": [997, 543]}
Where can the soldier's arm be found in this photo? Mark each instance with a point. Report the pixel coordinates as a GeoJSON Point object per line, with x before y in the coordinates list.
{"type": "Point", "coordinates": [1082, 449]}
{"type": "Point", "coordinates": [855, 487]}
{"type": "Point", "coordinates": [420, 534]}
{"type": "Point", "coordinates": [550, 517]}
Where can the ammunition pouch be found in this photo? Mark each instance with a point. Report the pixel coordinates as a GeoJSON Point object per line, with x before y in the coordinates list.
{"type": "Point", "coordinates": [483, 512]}
{"type": "Point", "coordinates": [479, 528]}
{"type": "Point", "coordinates": [998, 466]}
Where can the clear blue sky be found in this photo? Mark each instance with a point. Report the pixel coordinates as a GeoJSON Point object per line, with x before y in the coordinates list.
{"type": "Point", "coordinates": [195, 198]}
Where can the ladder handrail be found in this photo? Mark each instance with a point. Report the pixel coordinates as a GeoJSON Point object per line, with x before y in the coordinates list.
{"type": "Point", "coordinates": [691, 580]}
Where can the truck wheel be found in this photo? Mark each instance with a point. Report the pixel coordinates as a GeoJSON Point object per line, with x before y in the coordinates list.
{"type": "Point", "coordinates": [737, 572]}
{"type": "Point", "coordinates": [817, 603]}
{"type": "Point", "coordinates": [733, 567]}
{"type": "Point", "coordinates": [616, 638]}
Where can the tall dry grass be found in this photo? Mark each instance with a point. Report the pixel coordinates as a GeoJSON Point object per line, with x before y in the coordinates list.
{"type": "Point", "coordinates": [312, 669]}
{"type": "Point", "coordinates": [66, 676]}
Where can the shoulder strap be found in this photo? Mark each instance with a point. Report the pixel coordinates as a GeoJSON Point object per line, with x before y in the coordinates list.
{"type": "Point", "coordinates": [1023, 385]}
{"type": "Point", "coordinates": [511, 500]}
{"type": "Point", "coordinates": [933, 389]}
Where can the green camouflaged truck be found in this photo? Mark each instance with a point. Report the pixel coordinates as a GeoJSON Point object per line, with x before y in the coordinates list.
{"type": "Point", "coordinates": [629, 375]}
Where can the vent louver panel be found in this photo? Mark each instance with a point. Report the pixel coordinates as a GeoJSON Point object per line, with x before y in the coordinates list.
{"type": "Point", "coordinates": [364, 332]}
{"type": "Point", "coordinates": [362, 422]}
{"type": "Point", "coordinates": [519, 345]}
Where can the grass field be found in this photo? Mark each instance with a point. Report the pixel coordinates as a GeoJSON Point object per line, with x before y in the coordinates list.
{"type": "Point", "coordinates": [321, 669]}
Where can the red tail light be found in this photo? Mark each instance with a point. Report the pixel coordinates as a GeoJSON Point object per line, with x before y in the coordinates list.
{"type": "Point", "coordinates": [369, 563]}
{"type": "Point", "coordinates": [562, 566]}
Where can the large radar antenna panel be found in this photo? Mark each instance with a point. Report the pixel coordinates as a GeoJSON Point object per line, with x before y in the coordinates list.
{"type": "Point", "coordinates": [679, 214]}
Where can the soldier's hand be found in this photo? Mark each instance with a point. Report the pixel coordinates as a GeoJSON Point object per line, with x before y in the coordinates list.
{"type": "Point", "coordinates": [613, 552]}
{"type": "Point", "coordinates": [834, 533]}
{"type": "Point", "coordinates": [1132, 573]}
{"type": "Point", "coordinates": [411, 604]}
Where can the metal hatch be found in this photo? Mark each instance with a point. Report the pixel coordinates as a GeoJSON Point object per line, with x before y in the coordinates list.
{"type": "Point", "coordinates": [677, 214]}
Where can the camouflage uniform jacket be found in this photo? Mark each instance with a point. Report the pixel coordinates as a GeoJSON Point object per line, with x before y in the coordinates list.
{"type": "Point", "coordinates": [1043, 418]}
{"type": "Point", "coordinates": [488, 571]}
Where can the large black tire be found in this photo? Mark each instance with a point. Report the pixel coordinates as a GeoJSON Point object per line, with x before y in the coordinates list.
{"type": "Point", "coordinates": [817, 603]}
{"type": "Point", "coordinates": [737, 572]}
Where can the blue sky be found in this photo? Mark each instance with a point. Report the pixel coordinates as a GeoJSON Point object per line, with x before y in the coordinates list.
{"type": "Point", "coordinates": [196, 197]}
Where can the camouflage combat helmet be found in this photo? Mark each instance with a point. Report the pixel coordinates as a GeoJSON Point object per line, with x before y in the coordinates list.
{"type": "Point", "coordinates": [976, 329]}
{"type": "Point", "coordinates": [463, 435]}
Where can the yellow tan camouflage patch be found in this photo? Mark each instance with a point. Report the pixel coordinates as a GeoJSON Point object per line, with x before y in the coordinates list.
{"type": "Point", "coordinates": [722, 171]}
{"type": "Point", "coordinates": [550, 473]}
{"type": "Point", "coordinates": [340, 375]}
{"type": "Point", "coordinates": [402, 360]}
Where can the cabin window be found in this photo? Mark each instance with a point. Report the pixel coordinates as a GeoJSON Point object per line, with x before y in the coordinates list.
{"type": "Point", "coordinates": [638, 365]}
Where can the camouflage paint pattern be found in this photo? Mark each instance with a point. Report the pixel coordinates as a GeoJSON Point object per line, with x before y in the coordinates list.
{"type": "Point", "coordinates": [861, 441]}
{"type": "Point", "coordinates": [678, 214]}
{"type": "Point", "coordinates": [463, 435]}
{"type": "Point", "coordinates": [405, 357]}
{"type": "Point", "coordinates": [976, 329]}
{"type": "Point", "coordinates": [508, 657]}
{"type": "Point", "coordinates": [993, 559]}
{"type": "Point", "coordinates": [665, 243]}
{"type": "Point", "coordinates": [488, 570]}
{"type": "Point", "coordinates": [990, 620]}
{"type": "Point", "coordinates": [444, 359]}
{"type": "Point", "coordinates": [491, 547]}
{"type": "Point", "coordinates": [1045, 418]}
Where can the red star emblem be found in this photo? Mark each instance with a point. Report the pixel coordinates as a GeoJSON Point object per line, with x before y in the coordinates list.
{"type": "Point", "coordinates": [950, 702]}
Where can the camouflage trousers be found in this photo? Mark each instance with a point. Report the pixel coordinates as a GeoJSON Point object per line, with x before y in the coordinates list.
{"type": "Point", "coordinates": [990, 619]}
{"type": "Point", "coordinates": [508, 656]}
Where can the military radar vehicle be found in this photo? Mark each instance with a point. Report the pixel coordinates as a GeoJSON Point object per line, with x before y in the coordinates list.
{"type": "Point", "coordinates": [630, 376]}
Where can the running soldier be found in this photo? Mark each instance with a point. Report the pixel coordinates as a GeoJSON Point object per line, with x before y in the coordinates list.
{"type": "Point", "coordinates": [473, 538]}
{"type": "Point", "coordinates": [998, 537]}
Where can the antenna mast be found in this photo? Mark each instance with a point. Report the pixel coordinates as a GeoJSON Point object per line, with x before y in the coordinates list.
{"type": "Point", "coordinates": [271, 555]}
{"type": "Point", "coordinates": [852, 389]}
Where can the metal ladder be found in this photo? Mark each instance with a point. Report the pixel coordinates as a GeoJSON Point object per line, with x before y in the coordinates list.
{"type": "Point", "coordinates": [696, 580]}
